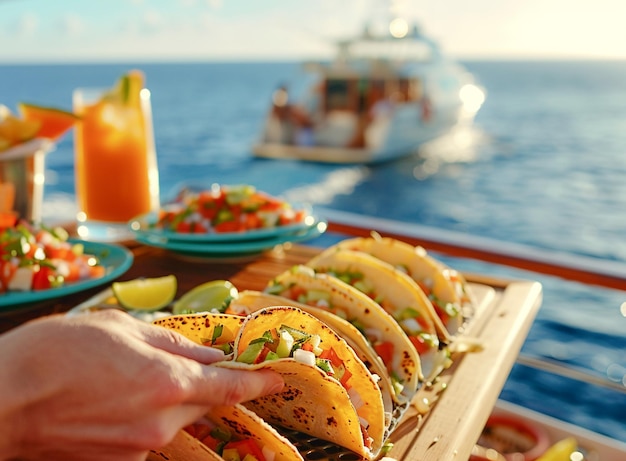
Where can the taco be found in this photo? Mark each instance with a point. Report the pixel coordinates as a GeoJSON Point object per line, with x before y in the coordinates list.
{"type": "Point", "coordinates": [184, 447]}
{"type": "Point", "coordinates": [236, 433]}
{"type": "Point", "coordinates": [341, 300]}
{"type": "Point", "coordinates": [446, 288]}
{"type": "Point", "coordinates": [398, 295]}
{"type": "Point", "coordinates": [329, 393]}
{"type": "Point", "coordinates": [209, 329]}
{"type": "Point", "coordinates": [249, 301]}
{"type": "Point", "coordinates": [228, 433]}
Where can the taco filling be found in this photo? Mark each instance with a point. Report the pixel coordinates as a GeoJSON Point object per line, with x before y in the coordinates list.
{"type": "Point", "coordinates": [228, 445]}
{"type": "Point", "coordinates": [410, 319]}
{"type": "Point", "coordinates": [304, 347]}
{"type": "Point", "coordinates": [445, 310]}
{"type": "Point", "coordinates": [322, 299]}
{"type": "Point", "coordinates": [220, 339]}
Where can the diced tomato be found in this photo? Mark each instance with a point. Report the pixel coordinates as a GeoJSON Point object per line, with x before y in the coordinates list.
{"type": "Point", "coordinates": [330, 354]}
{"type": "Point", "coordinates": [345, 378]}
{"type": "Point", "coordinates": [246, 447]}
{"type": "Point", "coordinates": [307, 347]}
{"type": "Point", "coordinates": [295, 292]}
{"type": "Point", "coordinates": [385, 351]}
{"type": "Point", "coordinates": [253, 221]}
{"type": "Point", "coordinates": [443, 315]}
{"type": "Point", "coordinates": [63, 252]}
{"type": "Point", "coordinates": [262, 355]}
{"type": "Point", "coordinates": [420, 345]}
{"type": "Point", "coordinates": [198, 430]}
{"type": "Point", "coordinates": [96, 272]}
{"type": "Point", "coordinates": [271, 204]}
{"type": "Point", "coordinates": [228, 226]}
{"type": "Point", "coordinates": [42, 280]}
{"type": "Point", "coordinates": [367, 440]}
{"type": "Point", "coordinates": [183, 227]}
{"type": "Point", "coordinates": [210, 442]}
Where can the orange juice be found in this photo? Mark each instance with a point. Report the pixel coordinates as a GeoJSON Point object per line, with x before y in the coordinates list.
{"type": "Point", "coordinates": [115, 162]}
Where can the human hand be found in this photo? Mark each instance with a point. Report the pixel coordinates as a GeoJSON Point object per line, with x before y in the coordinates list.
{"type": "Point", "coordinates": [105, 386]}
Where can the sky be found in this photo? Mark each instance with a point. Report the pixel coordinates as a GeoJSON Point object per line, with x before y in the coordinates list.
{"type": "Point", "coordinates": [166, 30]}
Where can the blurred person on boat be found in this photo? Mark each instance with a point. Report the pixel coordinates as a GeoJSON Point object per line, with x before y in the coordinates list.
{"type": "Point", "coordinates": [287, 123]}
{"type": "Point", "coordinates": [104, 386]}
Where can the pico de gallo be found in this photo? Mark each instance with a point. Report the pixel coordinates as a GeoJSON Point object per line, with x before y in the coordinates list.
{"type": "Point", "coordinates": [226, 209]}
{"type": "Point", "coordinates": [228, 446]}
{"type": "Point", "coordinates": [286, 341]}
{"type": "Point", "coordinates": [445, 310]}
{"type": "Point", "coordinates": [304, 347]}
{"type": "Point", "coordinates": [410, 319]}
{"type": "Point", "coordinates": [35, 257]}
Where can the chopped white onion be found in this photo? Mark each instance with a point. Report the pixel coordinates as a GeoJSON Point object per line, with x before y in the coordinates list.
{"type": "Point", "coordinates": [322, 303]}
{"type": "Point", "coordinates": [373, 334]}
{"type": "Point", "coordinates": [355, 398]}
{"type": "Point", "coordinates": [411, 325]}
{"type": "Point", "coordinates": [268, 454]}
{"type": "Point", "coordinates": [306, 270]}
{"type": "Point", "coordinates": [303, 356]}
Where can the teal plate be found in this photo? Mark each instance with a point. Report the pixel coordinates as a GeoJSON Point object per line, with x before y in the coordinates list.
{"type": "Point", "coordinates": [142, 227]}
{"type": "Point", "coordinates": [229, 248]}
{"type": "Point", "coordinates": [117, 259]}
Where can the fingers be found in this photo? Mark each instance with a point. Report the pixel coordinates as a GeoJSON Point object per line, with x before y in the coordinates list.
{"type": "Point", "coordinates": [175, 343]}
{"type": "Point", "coordinates": [223, 386]}
{"type": "Point", "coordinates": [163, 338]}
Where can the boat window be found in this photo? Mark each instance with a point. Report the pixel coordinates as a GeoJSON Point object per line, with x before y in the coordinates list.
{"type": "Point", "coordinates": [341, 94]}
{"type": "Point", "coordinates": [408, 90]}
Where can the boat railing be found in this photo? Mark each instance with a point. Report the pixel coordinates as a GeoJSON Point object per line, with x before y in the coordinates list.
{"type": "Point", "coordinates": [583, 269]}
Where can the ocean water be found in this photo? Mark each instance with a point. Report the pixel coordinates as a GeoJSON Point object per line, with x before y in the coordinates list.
{"type": "Point", "coordinates": [544, 165]}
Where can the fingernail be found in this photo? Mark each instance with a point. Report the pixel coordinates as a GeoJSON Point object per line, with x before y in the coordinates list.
{"type": "Point", "coordinates": [276, 388]}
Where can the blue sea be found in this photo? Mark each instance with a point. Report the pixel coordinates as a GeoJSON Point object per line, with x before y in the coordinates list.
{"type": "Point", "coordinates": [544, 166]}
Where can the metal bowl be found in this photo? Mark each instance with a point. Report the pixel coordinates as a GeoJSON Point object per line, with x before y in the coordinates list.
{"type": "Point", "coordinates": [22, 169]}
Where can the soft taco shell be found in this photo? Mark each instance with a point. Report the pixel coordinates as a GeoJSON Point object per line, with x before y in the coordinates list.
{"type": "Point", "coordinates": [446, 284]}
{"type": "Point", "coordinates": [239, 420]}
{"type": "Point", "coordinates": [251, 301]}
{"type": "Point", "coordinates": [313, 402]}
{"type": "Point", "coordinates": [183, 447]}
{"type": "Point", "coordinates": [397, 290]}
{"type": "Point", "coordinates": [406, 364]}
{"type": "Point", "coordinates": [200, 327]}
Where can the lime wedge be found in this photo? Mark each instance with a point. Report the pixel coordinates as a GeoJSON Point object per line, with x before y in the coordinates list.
{"type": "Point", "coordinates": [147, 294]}
{"type": "Point", "coordinates": [561, 450]}
{"type": "Point", "coordinates": [210, 295]}
{"type": "Point", "coordinates": [127, 88]}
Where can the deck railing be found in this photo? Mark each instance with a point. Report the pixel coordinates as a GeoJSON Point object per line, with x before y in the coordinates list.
{"type": "Point", "coordinates": [584, 269]}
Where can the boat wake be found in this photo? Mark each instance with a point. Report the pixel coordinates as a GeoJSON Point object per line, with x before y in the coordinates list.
{"type": "Point", "coordinates": [341, 181]}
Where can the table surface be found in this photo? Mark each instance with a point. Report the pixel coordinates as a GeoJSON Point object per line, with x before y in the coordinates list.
{"type": "Point", "coordinates": [461, 399]}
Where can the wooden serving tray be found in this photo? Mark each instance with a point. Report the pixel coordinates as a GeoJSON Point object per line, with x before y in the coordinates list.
{"type": "Point", "coordinates": [447, 417]}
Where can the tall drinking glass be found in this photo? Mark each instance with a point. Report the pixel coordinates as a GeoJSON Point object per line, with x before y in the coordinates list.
{"type": "Point", "coordinates": [116, 169]}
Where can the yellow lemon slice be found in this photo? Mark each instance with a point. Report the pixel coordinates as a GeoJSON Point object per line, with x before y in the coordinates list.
{"type": "Point", "coordinates": [560, 451]}
{"type": "Point", "coordinates": [210, 295]}
{"type": "Point", "coordinates": [148, 294]}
